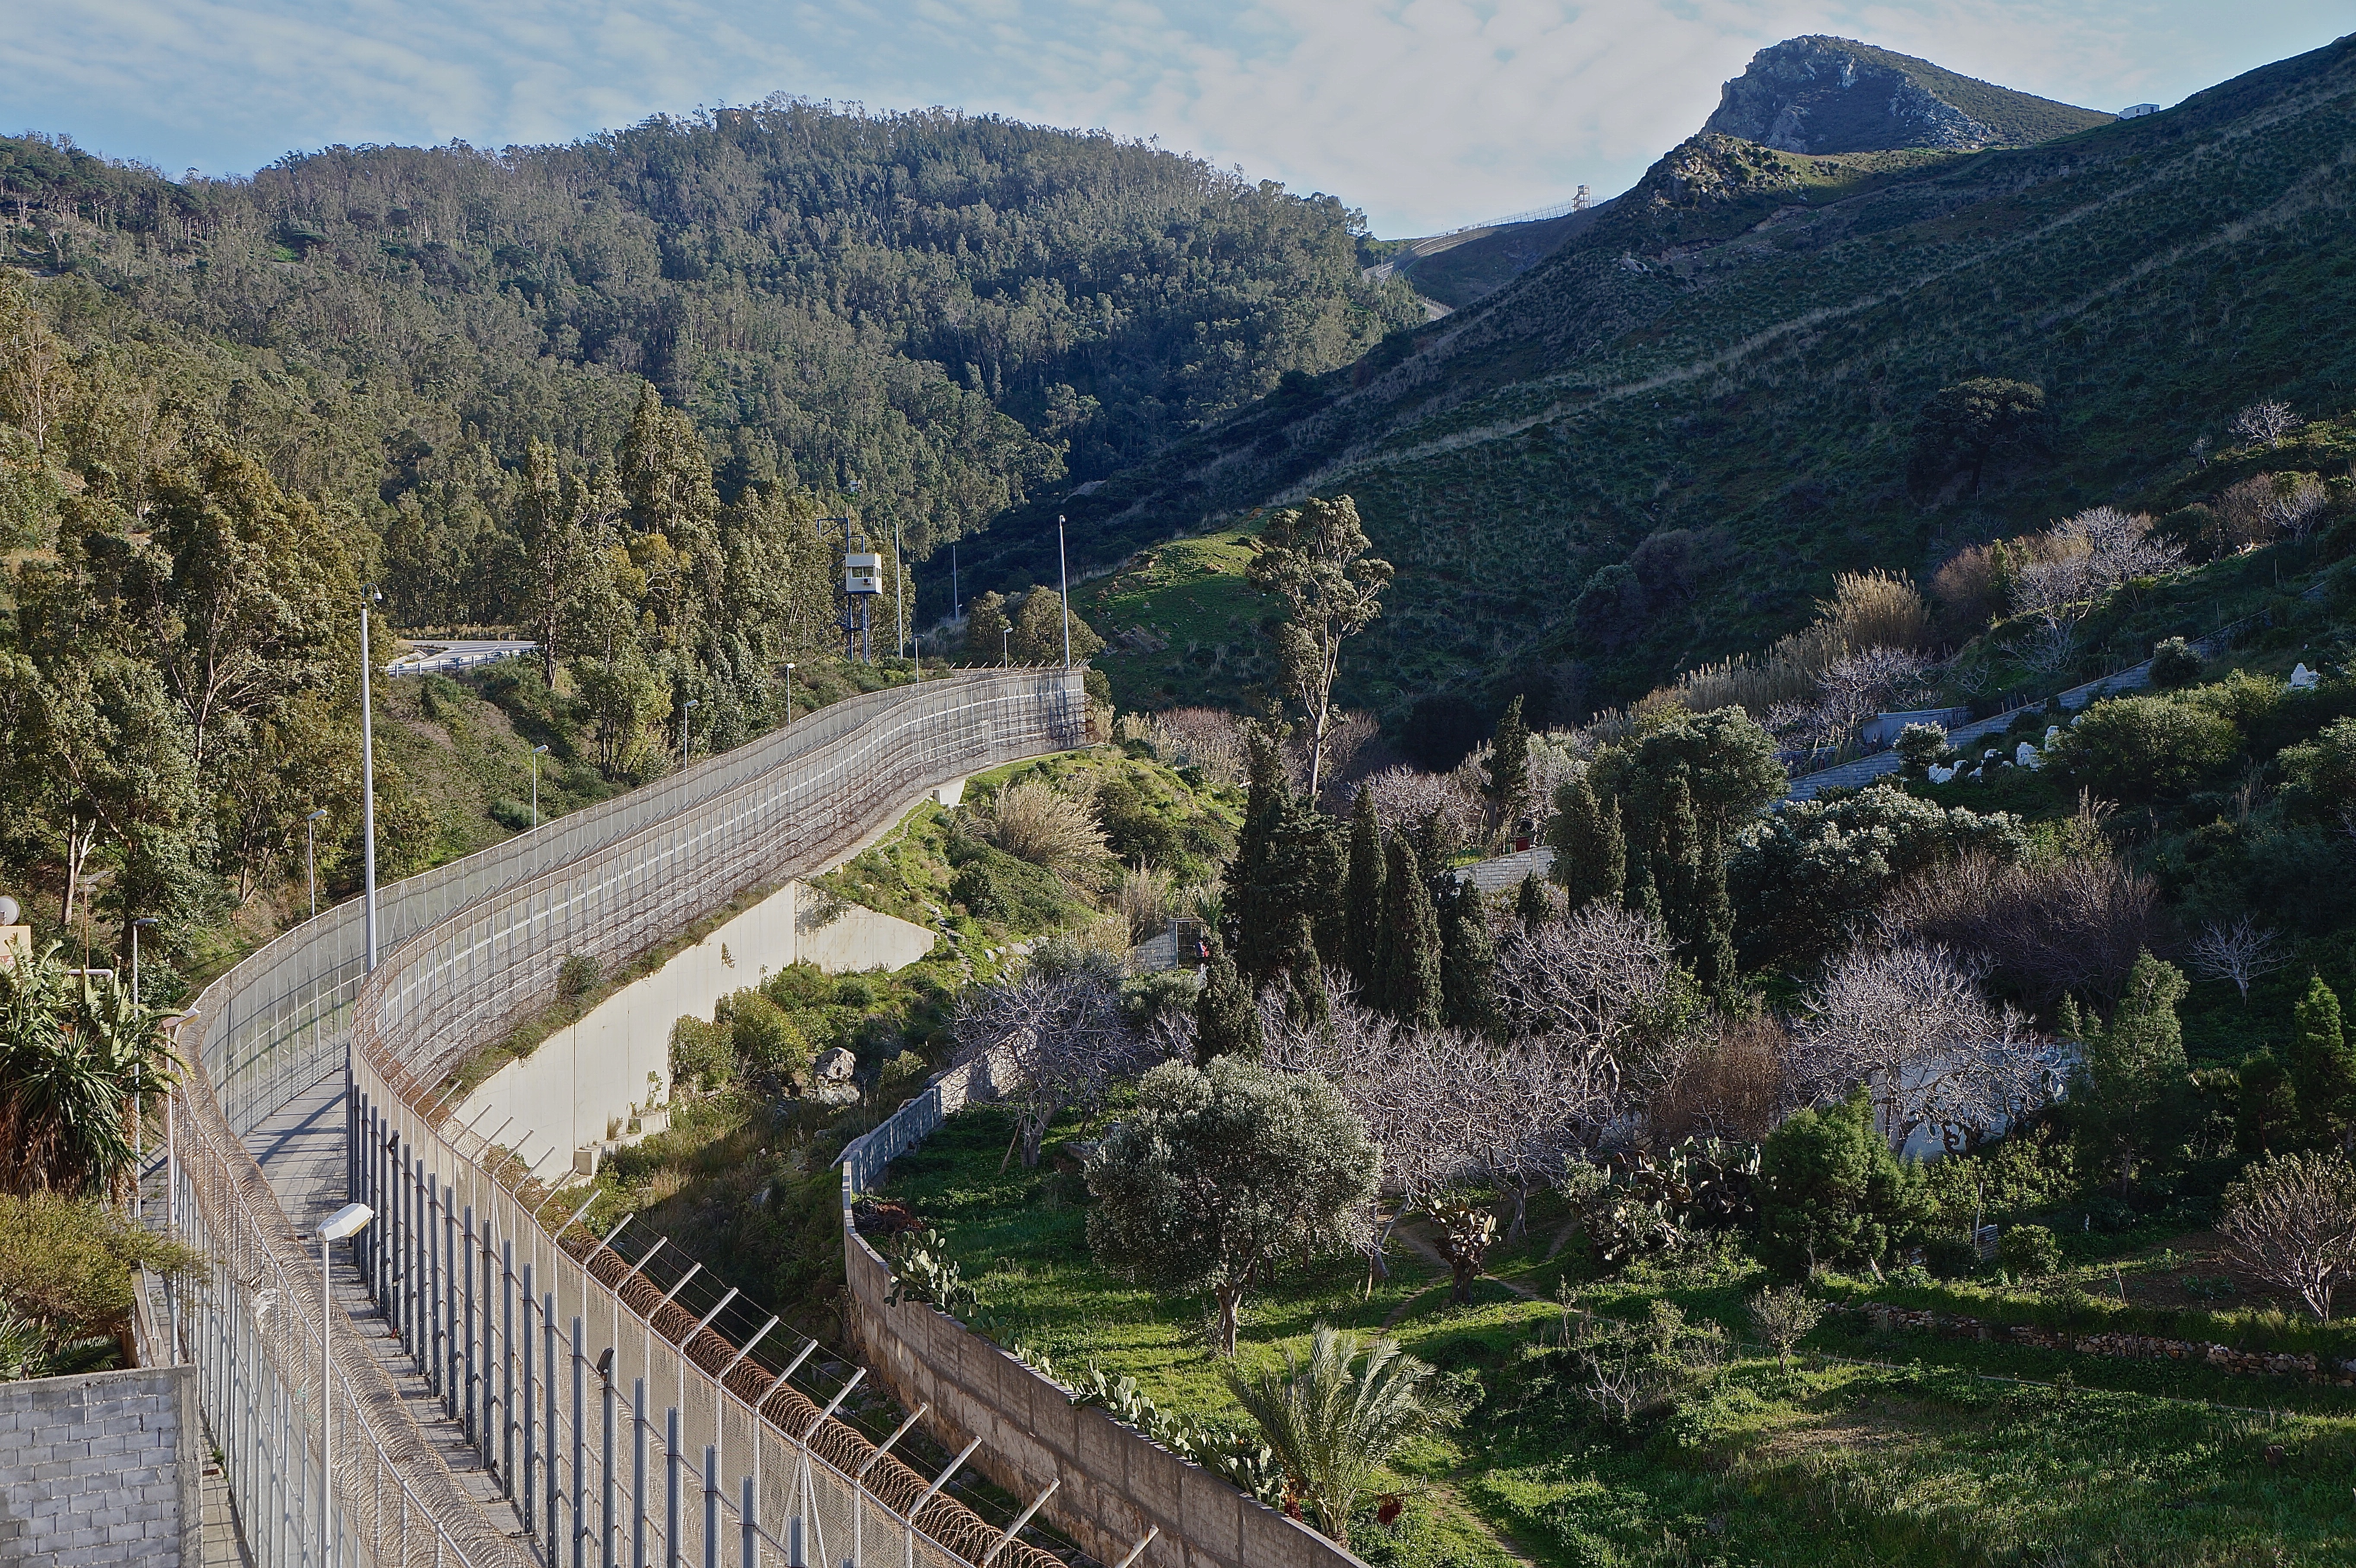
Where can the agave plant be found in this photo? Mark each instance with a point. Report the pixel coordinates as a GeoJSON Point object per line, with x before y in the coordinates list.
{"type": "Point", "coordinates": [1332, 1422]}
{"type": "Point", "coordinates": [76, 1054]}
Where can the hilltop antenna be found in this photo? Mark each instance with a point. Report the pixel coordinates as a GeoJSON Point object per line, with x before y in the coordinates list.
{"type": "Point", "coordinates": [1581, 201]}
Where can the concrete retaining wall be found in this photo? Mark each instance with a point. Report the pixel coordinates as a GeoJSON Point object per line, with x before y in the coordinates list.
{"type": "Point", "coordinates": [1115, 1484]}
{"type": "Point", "coordinates": [103, 1468]}
{"type": "Point", "coordinates": [566, 1091]}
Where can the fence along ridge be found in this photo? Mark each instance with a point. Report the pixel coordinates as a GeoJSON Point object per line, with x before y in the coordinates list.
{"type": "Point", "coordinates": [432, 999]}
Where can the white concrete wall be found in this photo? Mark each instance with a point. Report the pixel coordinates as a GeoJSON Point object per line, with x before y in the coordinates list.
{"type": "Point", "coordinates": [563, 1093]}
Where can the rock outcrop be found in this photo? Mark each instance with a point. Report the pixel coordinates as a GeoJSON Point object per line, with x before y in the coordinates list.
{"type": "Point", "coordinates": [1817, 95]}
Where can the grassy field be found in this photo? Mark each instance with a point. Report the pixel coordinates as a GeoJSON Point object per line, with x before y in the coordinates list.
{"type": "Point", "coordinates": [1928, 1453]}
{"type": "Point", "coordinates": [1181, 622]}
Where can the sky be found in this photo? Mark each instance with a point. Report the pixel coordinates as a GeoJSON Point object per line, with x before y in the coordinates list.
{"type": "Point", "coordinates": [1429, 114]}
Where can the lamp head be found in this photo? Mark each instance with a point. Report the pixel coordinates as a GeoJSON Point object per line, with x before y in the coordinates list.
{"type": "Point", "coordinates": [346, 1223]}
{"type": "Point", "coordinates": [317, 814]}
{"type": "Point", "coordinates": [144, 920]}
{"type": "Point", "coordinates": [537, 751]}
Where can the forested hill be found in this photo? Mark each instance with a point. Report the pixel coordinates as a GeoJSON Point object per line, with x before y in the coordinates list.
{"type": "Point", "coordinates": [1736, 359]}
{"type": "Point", "coordinates": [951, 312]}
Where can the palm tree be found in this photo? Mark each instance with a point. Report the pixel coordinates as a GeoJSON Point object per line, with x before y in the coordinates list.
{"type": "Point", "coordinates": [1332, 1423]}
{"type": "Point", "coordinates": [76, 1053]}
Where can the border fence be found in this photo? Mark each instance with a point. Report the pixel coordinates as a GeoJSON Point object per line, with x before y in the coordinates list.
{"type": "Point", "coordinates": [498, 1316]}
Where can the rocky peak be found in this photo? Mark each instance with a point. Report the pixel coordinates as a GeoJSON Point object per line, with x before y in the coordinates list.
{"type": "Point", "coordinates": [1817, 94]}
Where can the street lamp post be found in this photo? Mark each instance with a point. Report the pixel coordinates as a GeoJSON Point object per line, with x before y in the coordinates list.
{"type": "Point", "coordinates": [1005, 647]}
{"type": "Point", "coordinates": [682, 731]}
{"type": "Point", "coordinates": [310, 855]}
{"type": "Point", "coordinates": [341, 1226]}
{"type": "Point", "coordinates": [537, 753]}
{"type": "Point", "coordinates": [368, 881]}
{"type": "Point", "coordinates": [139, 1088]}
{"type": "Point", "coordinates": [789, 693]}
{"type": "Point", "coordinates": [1063, 573]}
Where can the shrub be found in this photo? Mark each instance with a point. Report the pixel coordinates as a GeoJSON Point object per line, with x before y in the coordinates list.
{"type": "Point", "coordinates": [1832, 1191]}
{"type": "Point", "coordinates": [577, 975]}
{"type": "Point", "coordinates": [1034, 821]}
{"type": "Point", "coordinates": [2326, 766]}
{"type": "Point", "coordinates": [1783, 1318]}
{"type": "Point", "coordinates": [1921, 744]}
{"type": "Point", "coordinates": [1970, 589]}
{"type": "Point", "coordinates": [2028, 1251]}
{"type": "Point", "coordinates": [701, 1054]}
{"type": "Point", "coordinates": [65, 1270]}
{"type": "Point", "coordinates": [1876, 610]}
{"type": "Point", "coordinates": [2291, 1221]}
{"type": "Point", "coordinates": [2175, 663]}
{"type": "Point", "coordinates": [2141, 748]}
{"type": "Point", "coordinates": [765, 1040]}
{"type": "Point", "coordinates": [2072, 923]}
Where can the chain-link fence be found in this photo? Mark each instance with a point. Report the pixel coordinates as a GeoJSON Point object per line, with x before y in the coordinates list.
{"type": "Point", "coordinates": [487, 1302]}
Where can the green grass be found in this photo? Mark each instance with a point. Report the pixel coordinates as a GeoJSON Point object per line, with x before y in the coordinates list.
{"type": "Point", "coordinates": [1189, 597]}
{"type": "Point", "coordinates": [1940, 1459]}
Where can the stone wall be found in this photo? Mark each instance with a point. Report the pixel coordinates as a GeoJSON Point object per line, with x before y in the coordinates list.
{"type": "Point", "coordinates": [1114, 1484]}
{"type": "Point", "coordinates": [102, 1468]}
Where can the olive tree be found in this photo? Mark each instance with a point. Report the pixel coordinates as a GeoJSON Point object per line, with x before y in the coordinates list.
{"type": "Point", "coordinates": [1219, 1175]}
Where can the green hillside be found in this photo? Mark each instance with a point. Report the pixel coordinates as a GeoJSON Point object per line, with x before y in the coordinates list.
{"type": "Point", "coordinates": [1740, 350]}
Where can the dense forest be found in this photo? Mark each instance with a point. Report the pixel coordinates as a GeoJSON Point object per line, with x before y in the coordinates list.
{"type": "Point", "coordinates": [614, 394]}
{"type": "Point", "coordinates": [945, 313]}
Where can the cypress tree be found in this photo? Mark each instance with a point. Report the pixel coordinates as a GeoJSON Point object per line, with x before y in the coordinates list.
{"type": "Point", "coordinates": [1713, 956]}
{"type": "Point", "coordinates": [1224, 1023]}
{"type": "Point", "coordinates": [1591, 856]}
{"type": "Point", "coordinates": [1468, 959]}
{"type": "Point", "coordinates": [1509, 766]}
{"type": "Point", "coordinates": [2323, 1066]}
{"type": "Point", "coordinates": [1288, 864]}
{"type": "Point", "coordinates": [1409, 967]}
{"type": "Point", "coordinates": [1689, 872]}
{"type": "Point", "coordinates": [1250, 893]}
{"type": "Point", "coordinates": [1362, 898]}
{"type": "Point", "coordinates": [1531, 906]}
{"type": "Point", "coordinates": [2134, 1067]}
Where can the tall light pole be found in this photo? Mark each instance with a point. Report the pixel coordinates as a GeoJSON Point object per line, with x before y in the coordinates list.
{"type": "Point", "coordinates": [341, 1226]}
{"type": "Point", "coordinates": [1006, 646]}
{"type": "Point", "coordinates": [367, 798]}
{"type": "Point", "coordinates": [138, 1086]}
{"type": "Point", "coordinates": [682, 731]}
{"type": "Point", "coordinates": [899, 591]}
{"type": "Point", "coordinates": [957, 605]}
{"type": "Point", "coordinates": [1063, 573]}
{"type": "Point", "coordinates": [310, 855]}
{"type": "Point", "coordinates": [537, 753]}
{"type": "Point", "coordinates": [789, 693]}
{"type": "Point", "coordinates": [369, 596]}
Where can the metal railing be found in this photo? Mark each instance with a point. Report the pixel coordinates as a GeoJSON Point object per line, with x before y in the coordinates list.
{"type": "Point", "coordinates": [463, 950]}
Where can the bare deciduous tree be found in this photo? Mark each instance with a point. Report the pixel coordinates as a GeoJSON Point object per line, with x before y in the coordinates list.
{"type": "Point", "coordinates": [2071, 924]}
{"type": "Point", "coordinates": [1210, 739]}
{"type": "Point", "coordinates": [1593, 978]}
{"type": "Point", "coordinates": [2268, 421]}
{"type": "Point", "coordinates": [1060, 1038]}
{"type": "Point", "coordinates": [1404, 796]}
{"type": "Point", "coordinates": [2291, 1221]}
{"type": "Point", "coordinates": [1909, 1022]}
{"type": "Point", "coordinates": [2242, 951]}
{"type": "Point", "coordinates": [2073, 564]}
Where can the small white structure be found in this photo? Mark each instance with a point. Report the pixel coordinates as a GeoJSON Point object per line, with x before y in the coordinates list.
{"type": "Point", "coordinates": [2304, 680]}
{"type": "Point", "coordinates": [2052, 733]}
{"type": "Point", "coordinates": [2137, 110]}
{"type": "Point", "coordinates": [2025, 755]}
{"type": "Point", "coordinates": [1940, 775]}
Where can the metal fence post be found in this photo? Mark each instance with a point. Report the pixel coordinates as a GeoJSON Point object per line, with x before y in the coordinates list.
{"type": "Point", "coordinates": [471, 1420]}
{"type": "Point", "coordinates": [671, 1488]}
{"type": "Point", "coordinates": [580, 1450]}
{"type": "Point", "coordinates": [548, 1445]}
{"type": "Point", "coordinates": [606, 1463]}
{"type": "Point", "coordinates": [751, 1528]}
{"type": "Point", "coordinates": [711, 1506]}
{"type": "Point", "coordinates": [506, 1368]}
{"type": "Point", "coordinates": [638, 1473]}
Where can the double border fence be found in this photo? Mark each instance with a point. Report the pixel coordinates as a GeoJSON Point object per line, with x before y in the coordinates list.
{"type": "Point", "coordinates": [464, 950]}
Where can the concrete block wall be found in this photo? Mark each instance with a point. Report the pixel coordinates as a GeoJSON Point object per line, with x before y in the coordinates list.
{"type": "Point", "coordinates": [584, 1074]}
{"type": "Point", "coordinates": [102, 1468]}
{"type": "Point", "coordinates": [1116, 1484]}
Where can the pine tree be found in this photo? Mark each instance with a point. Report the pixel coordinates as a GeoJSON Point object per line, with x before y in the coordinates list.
{"type": "Point", "coordinates": [1591, 857]}
{"type": "Point", "coordinates": [1508, 766]}
{"type": "Point", "coordinates": [1224, 1023]}
{"type": "Point", "coordinates": [1362, 895]}
{"type": "Point", "coordinates": [1468, 959]}
{"type": "Point", "coordinates": [2133, 1067]}
{"type": "Point", "coordinates": [1408, 971]}
{"type": "Point", "coordinates": [2323, 1066]}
